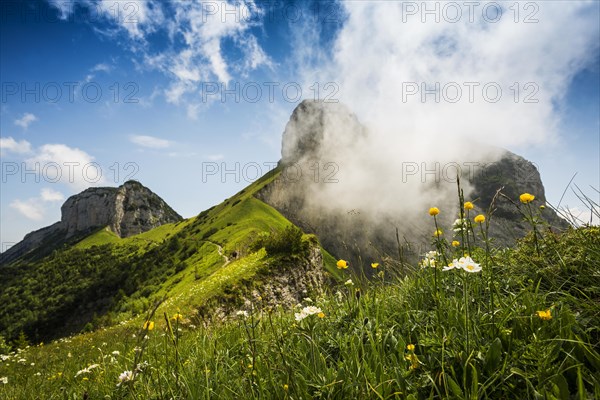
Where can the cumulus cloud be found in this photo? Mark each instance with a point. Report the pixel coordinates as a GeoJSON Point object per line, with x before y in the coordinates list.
{"type": "Point", "coordinates": [8, 144]}
{"type": "Point", "coordinates": [50, 195]}
{"type": "Point", "coordinates": [149, 141]}
{"type": "Point", "coordinates": [25, 120]}
{"type": "Point", "coordinates": [59, 163]}
{"type": "Point", "coordinates": [432, 91]}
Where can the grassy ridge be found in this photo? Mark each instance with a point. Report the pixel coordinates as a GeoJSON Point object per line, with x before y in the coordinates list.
{"type": "Point", "coordinates": [103, 279]}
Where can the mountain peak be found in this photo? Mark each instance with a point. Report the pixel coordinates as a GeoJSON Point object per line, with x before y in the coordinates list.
{"type": "Point", "coordinates": [126, 210]}
{"type": "Point", "coordinates": [312, 127]}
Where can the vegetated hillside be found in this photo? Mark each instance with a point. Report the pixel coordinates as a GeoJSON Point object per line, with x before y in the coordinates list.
{"type": "Point", "coordinates": [104, 279]}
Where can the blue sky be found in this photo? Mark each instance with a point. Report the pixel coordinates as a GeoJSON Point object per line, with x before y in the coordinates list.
{"type": "Point", "coordinates": [132, 89]}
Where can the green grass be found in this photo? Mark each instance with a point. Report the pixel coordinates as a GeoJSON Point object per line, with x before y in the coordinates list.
{"type": "Point", "coordinates": [359, 349]}
{"type": "Point", "coordinates": [526, 326]}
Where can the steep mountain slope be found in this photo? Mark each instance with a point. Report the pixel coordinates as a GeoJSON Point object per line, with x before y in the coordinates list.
{"type": "Point", "coordinates": [202, 263]}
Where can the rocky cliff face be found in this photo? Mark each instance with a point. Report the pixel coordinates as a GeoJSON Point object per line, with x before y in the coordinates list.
{"type": "Point", "coordinates": [372, 229]}
{"type": "Point", "coordinates": [127, 210]}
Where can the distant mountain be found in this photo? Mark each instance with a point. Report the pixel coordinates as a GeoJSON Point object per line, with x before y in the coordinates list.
{"type": "Point", "coordinates": [127, 210]}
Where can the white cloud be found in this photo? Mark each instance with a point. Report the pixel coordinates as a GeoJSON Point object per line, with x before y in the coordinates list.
{"type": "Point", "coordinates": [196, 31]}
{"type": "Point", "coordinates": [10, 144]}
{"type": "Point", "coordinates": [102, 67]}
{"type": "Point", "coordinates": [25, 120]}
{"type": "Point", "coordinates": [67, 165]}
{"type": "Point", "coordinates": [215, 157]}
{"type": "Point", "coordinates": [30, 209]}
{"type": "Point", "coordinates": [50, 195]}
{"type": "Point", "coordinates": [150, 141]}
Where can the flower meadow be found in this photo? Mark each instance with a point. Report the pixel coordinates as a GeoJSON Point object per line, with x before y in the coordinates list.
{"type": "Point", "coordinates": [468, 321]}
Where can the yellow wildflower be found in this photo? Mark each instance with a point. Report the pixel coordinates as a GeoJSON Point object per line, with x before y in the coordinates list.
{"type": "Point", "coordinates": [455, 243]}
{"type": "Point", "coordinates": [545, 315]}
{"type": "Point", "coordinates": [468, 205]}
{"type": "Point", "coordinates": [526, 198]}
{"type": "Point", "coordinates": [342, 264]}
{"type": "Point", "coordinates": [410, 347]}
{"type": "Point", "coordinates": [149, 325]}
{"type": "Point", "coordinates": [177, 317]}
{"type": "Point", "coordinates": [285, 387]}
{"type": "Point", "coordinates": [480, 218]}
{"type": "Point", "coordinates": [374, 265]}
{"type": "Point", "coordinates": [434, 211]}
{"type": "Point", "coordinates": [321, 315]}
{"type": "Point", "coordinates": [438, 233]}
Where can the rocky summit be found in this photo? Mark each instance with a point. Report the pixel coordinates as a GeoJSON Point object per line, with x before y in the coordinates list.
{"type": "Point", "coordinates": [127, 210]}
{"type": "Point", "coordinates": [359, 224]}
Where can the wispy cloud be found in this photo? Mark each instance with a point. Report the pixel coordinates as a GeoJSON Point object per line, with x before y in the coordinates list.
{"type": "Point", "coordinates": [34, 208]}
{"type": "Point", "coordinates": [196, 32]}
{"type": "Point", "coordinates": [30, 209]}
{"type": "Point", "coordinates": [25, 120]}
{"type": "Point", "coordinates": [8, 144]}
{"type": "Point", "coordinates": [149, 141]}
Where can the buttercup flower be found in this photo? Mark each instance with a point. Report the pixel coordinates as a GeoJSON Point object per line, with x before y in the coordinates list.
{"type": "Point", "coordinates": [545, 315]}
{"type": "Point", "coordinates": [434, 211]}
{"type": "Point", "coordinates": [177, 317]}
{"type": "Point", "coordinates": [468, 205]}
{"type": "Point", "coordinates": [149, 325]}
{"type": "Point", "coordinates": [526, 198]}
{"type": "Point", "coordinates": [342, 264]}
{"type": "Point", "coordinates": [438, 233]}
{"type": "Point", "coordinates": [455, 243]}
{"type": "Point", "coordinates": [321, 315]}
{"type": "Point", "coordinates": [374, 265]}
{"type": "Point", "coordinates": [479, 219]}
{"type": "Point", "coordinates": [410, 347]}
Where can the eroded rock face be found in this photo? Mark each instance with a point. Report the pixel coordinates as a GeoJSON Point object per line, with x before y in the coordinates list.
{"type": "Point", "coordinates": [127, 210]}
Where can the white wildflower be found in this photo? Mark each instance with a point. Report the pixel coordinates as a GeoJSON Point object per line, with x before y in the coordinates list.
{"type": "Point", "coordinates": [349, 282]}
{"type": "Point", "coordinates": [242, 314]}
{"type": "Point", "coordinates": [116, 353]}
{"type": "Point", "coordinates": [307, 311]}
{"type": "Point", "coordinates": [4, 380]}
{"type": "Point", "coordinates": [468, 264]}
{"type": "Point", "coordinates": [452, 265]}
{"type": "Point", "coordinates": [86, 370]}
{"type": "Point", "coordinates": [126, 376]}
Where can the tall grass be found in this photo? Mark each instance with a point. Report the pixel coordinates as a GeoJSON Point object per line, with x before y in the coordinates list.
{"type": "Point", "coordinates": [526, 326]}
